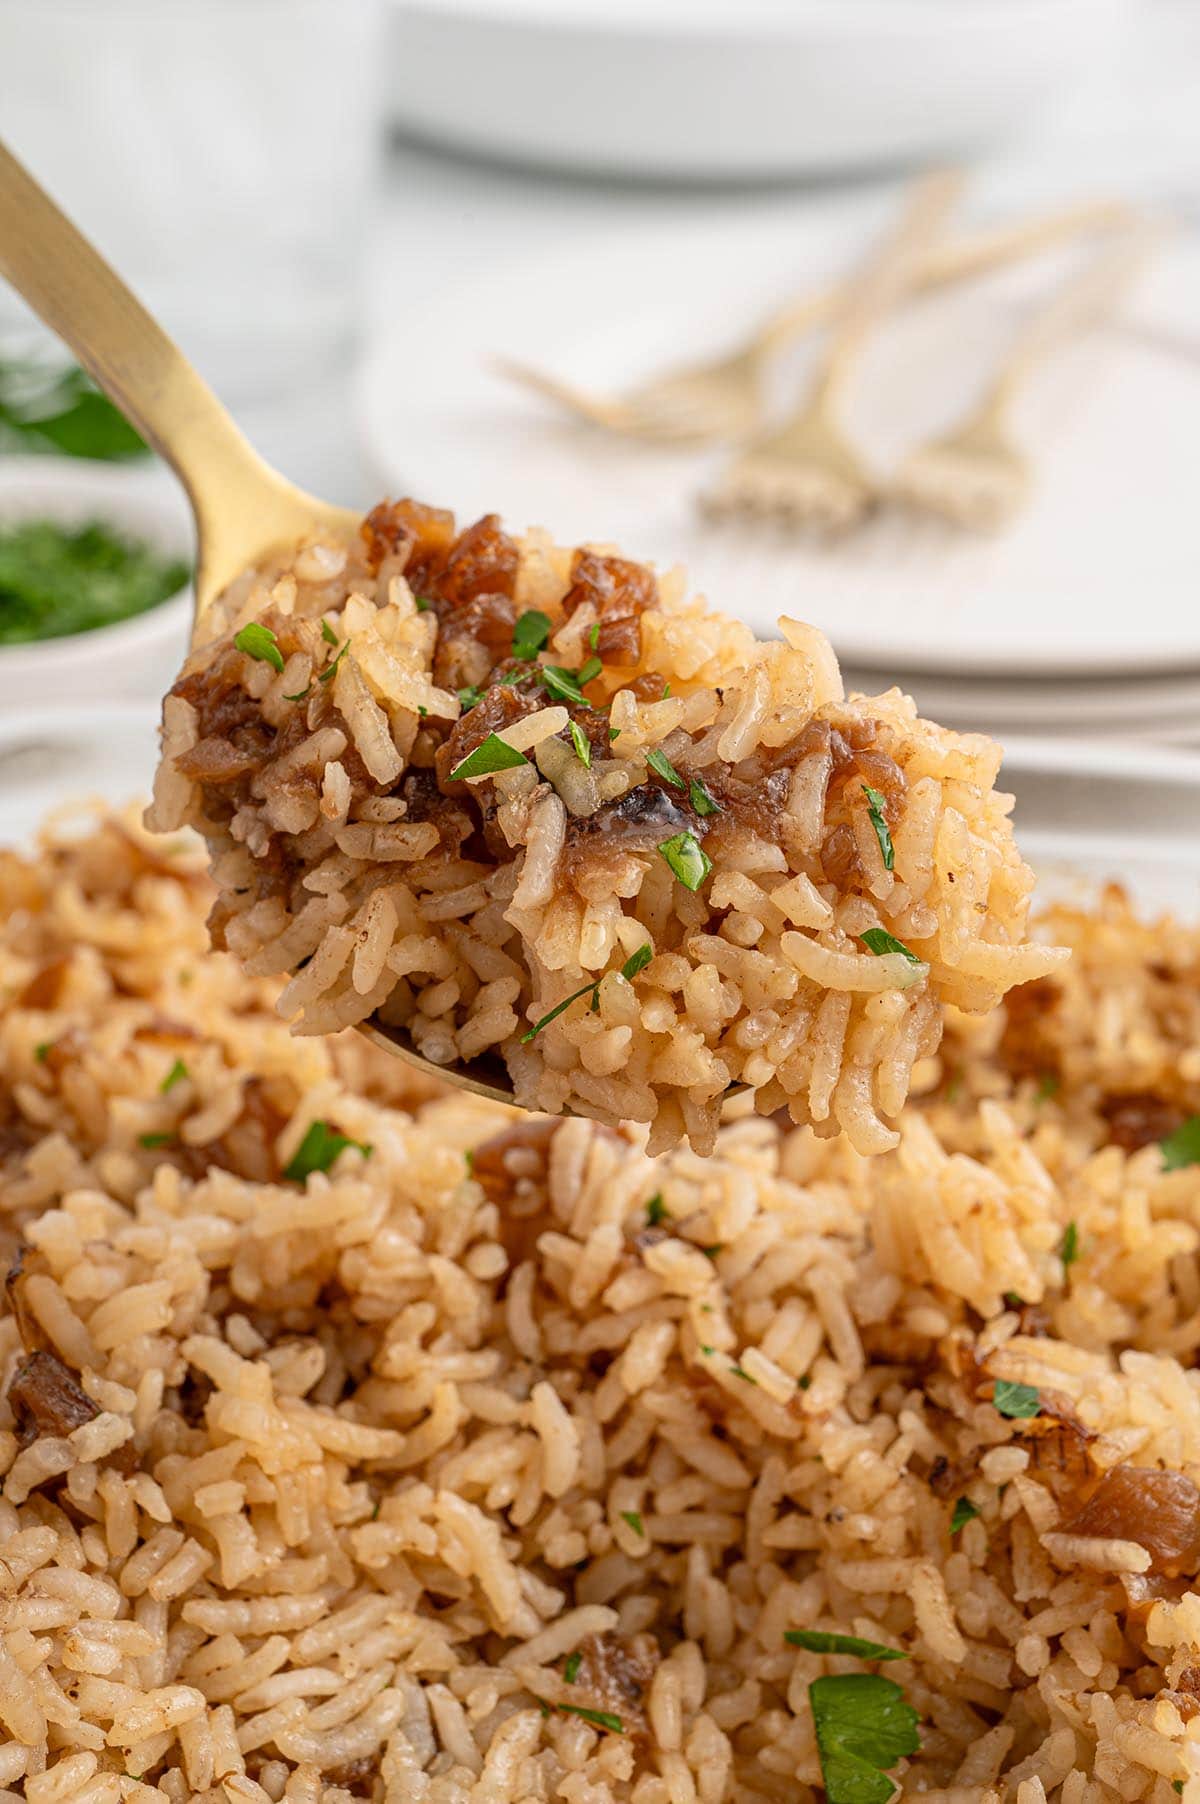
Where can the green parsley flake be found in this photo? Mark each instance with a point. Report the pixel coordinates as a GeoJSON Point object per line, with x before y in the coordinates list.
{"type": "Point", "coordinates": [1068, 1250]}
{"type": "Point", "coordinates": [327, 633]}
{"type": "Point", "coordinates": [599, 1719]}
{"type": "Point", "coordinates": [325, 676]}
{"type": "Point", "coordinates": [707, 1351]}
{"type": "Point", "coordinates": [864, 1725]}
{"type": "Point", "coordinates": [582, 744]}
{"type": "Point", "coordinates": [594, 635]}
{"type": "Point", "coordinates": [687, 859]}
{"type": "Point", "coordinates": [739, 1373]}
{"type": "Point", "coordinates": [174, 1076]}
{"type": "Point", "coordinates": [876, 805]}
{"type": "Point", "coordinates": [637, 961]}
{"type": "Point", "coordinates": [964, 1512]}
{"type": "Point", "coordinates": [469, 697]}
{"type": "Point", "coordinates": [712, 1251]}
{"type": "Point", "coordinates": [1048, 1083]}
{"type": "Point", "coordinates": [613, 733]}
{"type": "Point", "coordinates": [820, 1641]}
{"type": "Point", "coordinates": [318, 1150]}
{"type": "Point", "coordinates": [491, 755]}
{"type": "Point", "coordinates": [662, 767]}
{"type": "Point", "coordinates": [634, 1520]}
{"type": "Point", "coordinates": [880, 942]}
{"type": "Point", "coordinates": [42, 1050]}
{"type": "Point", "coordinates": [700, 799]}
{"type": "Point", "coordinates": [1182, 1148]}
{"type": "Point", "coordinates": [469, 1162]}
{"type": "Point", "coordinates": [301, 695]}
{"type": "Point", "coordinates": [530, 634]}
{"type": "Point", "coordinates": [151, 1141]}
{"type": "Point", "coordinates": [258, 641]}
{"type": "Point", "coordinates": [656, 1211]}
{"type": "Point", "coordinates": [567, 685]}
{"type": "Point", "coordinates": [665, 693]}
{"type": "Point", "coordinates": [1017, 1400]}
{"type": "Point", "coordinates": [590, 671]}
{"type": "Point", "coordinates": [422, 603]}
{"type": "Point", "coordinates": [805, 1383]}
{"type": "Point", "coordinates": [571, 1669]}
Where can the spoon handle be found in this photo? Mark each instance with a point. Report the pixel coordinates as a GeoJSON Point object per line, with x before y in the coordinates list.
{"type": "Point", "coordinates": [66, 281]}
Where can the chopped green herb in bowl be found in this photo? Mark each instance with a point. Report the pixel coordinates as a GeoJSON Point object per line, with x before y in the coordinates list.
{"type": "Point", "coordinates": [58, 579]}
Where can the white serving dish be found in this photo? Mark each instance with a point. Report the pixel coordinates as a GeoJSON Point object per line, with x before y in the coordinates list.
{"type": "Point", "coordinates": [139, 657]}
{"type": "Point", "coordinates": [727, 89]}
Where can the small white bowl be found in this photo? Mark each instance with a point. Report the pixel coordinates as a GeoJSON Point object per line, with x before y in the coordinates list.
{"type": "Point", "coordinates": [135, 659]}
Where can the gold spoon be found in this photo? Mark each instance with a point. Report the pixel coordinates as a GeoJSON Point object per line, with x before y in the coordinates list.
{"type": "Point", "coordinates": [242, 507]}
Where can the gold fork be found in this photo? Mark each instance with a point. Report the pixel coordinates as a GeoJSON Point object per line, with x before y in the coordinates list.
{"type": "Point", "coordinates": [975, 475]}
{"type": "Point", "coordinates": [720, 397]}
{"type": "Point", "coordinates": [807, 472]}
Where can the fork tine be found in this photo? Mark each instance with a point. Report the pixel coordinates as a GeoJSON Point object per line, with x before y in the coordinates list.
{"type": "Point", "coordinates": [615, 415]}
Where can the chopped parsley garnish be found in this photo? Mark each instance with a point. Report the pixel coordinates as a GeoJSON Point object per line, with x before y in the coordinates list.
{"type": "Point", "coordinates": [637, 961]}
{"type": "Point", "coordinates": [469, 697]}
{"type": "Point", "coordinates": [739, 1373]}
{"type": "Point", "coordinates": [1013, 1301]}
{"type": "Point", "coordinates": [1048, 1083]}
{"type": "Point", "coordinates": [687, 859]}
{"type": "Point", "coordinates": [325, 675]}
{"type": "Point", "coordinates": [301, 695]}
{"type": "Point", "coordinates": [665, 693]}
{"type": "Point", "coordinates": [879, 941]}
{"type": "Point", "coordinates": [1018, 1400]}
{"type": "Point", "coordinates": [422, 603]}
{"type": "Point", "coordinates": [582, 744]}
{"type": "Point", "coordinates": [41, 1051]}
{"type": "Point", "coordinates": [964, 1512]}
{"type": "Point", "coordinates": [1068, 1250]}
{"type": "Point", "coordinates": [707, 1351]}
{"type": "Point", "coordinates": [600, 1719]}
{"type": "Point", "coordinates": [150, 1141]}
{"type": "Point", "coordinates": [876, 805]}
{"type": "Point", "coordinates": [422, 711]}
{"type": "Point", "coordinates": [662, 767]}
{"type": "Point", "coordinates": [318, 1150]}
{"type": "Point", "coordinates": [805, 1383]}
{"type": "Point", "coordinates": [530, 634]}
{"type": "Point", "coordinates": [571, 1669]}
{"type": "Point", "coordinates": [634, 1520]}
{"type": "Point", "coordinates": [700, 799]}
{"type": "Point", "coordinates": [57, 407]}
{"type": "Point", "coordinates": [327, 633]}
{"type": "Point", "coordinates": [567, 685]}
{"type": "Point", "coordinates": [864, 1725]}
{"type": "Point", "coordinates": [590, 671]}
{"type": "Point", "coordinates": [258, 641]}
{"type": "Point", "coordinates": [656, 1211]}
{"type": "Point", "coordinates": [712, 1251]}
{"type": "Point", "coordinates": [820, 1641]}
{"type": "Point", "coordinates": [174, 1076]}
{"type": "Point", "coordinates": [469, 1162]}
{"type": "Point", "coordinates": [1183, 1146]}
{"type": "Point", "coordinates": [490, 755]}
{"type": "Point", "coordinates": [594, 635]}
{"type": "Point", "coordinates": [613, 733]}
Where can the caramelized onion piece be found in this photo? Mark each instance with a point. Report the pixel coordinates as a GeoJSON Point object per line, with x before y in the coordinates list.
{"type": "Point", "coordinates": [45, 1399]}
{"type": "Point", "coordinates": [1158, 1510]}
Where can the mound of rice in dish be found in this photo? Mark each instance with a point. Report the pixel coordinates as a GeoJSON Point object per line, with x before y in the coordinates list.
{"type": "Point", "coordinates": [530, 802]}
{"type": "Point", "coordinates": [354, 1446]}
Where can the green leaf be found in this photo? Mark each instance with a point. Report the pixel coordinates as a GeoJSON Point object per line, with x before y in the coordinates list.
{"type": "Point", "coordinates": [327, 633]}
{"type": "Point", "coordinates": [634, 1520]}
{"type": "Point", "coordinates": [258, 641]}
{"type": "Point", "coordinates": [326, 675]}
{"type": "Point", "coordinates": [469, 1161]}
{"type": "Point", "coordinates": [637, 961]}
{"type": "Point", "coordinates": [469, 698]}
{"type": "Point", "coordinates": [491, 755]}
{"type": "Point", "coordinates": [964, 1512]}
{"type": "Point", "coordinates": [613, 733]}
{"type": "Point", "coordinates": [567, 685]}
{"type": "Point", "coordinates": [1068, 1250]}
{"type": "Point", "coordinates": [589, 989]}
{"type": "Point", "coordinates": [301, 695]}
{"type": "Point", "coordinates": [600, 1719]}
{"type": "Point", "coordinates": [1183, 1146]}
{"type": "Point", "coordinates": [820, 1641]}
{"type": "Point", "coordinates": [687, 859]}
{"type": "Point", "coordinates": [739, 1373]}
{"type": "Point", "coordinates": [571, 1669]}
{"type": "Point", "coordinates": [700, 799]}
{"type": "Point", "coordinates": [876, 804]}
{"type": "Point", "coordinates": [1048, 1084]}
{"type": "Point", "coordinates": [655, 1210]}
{"type": "Point", "coordinates": [47, 409]}
{"type": "Point", "coordinates": [174, 1076]}
{"type": "Point", "coordinates": [151, 1141]}
{"type": "Point", "coordinates": [422, 603]}
{"type": "Point", "coordinates": [662, 767]}
{"type": "Point", "coordinates": [879, 941]}
{"type": "Point", "coordinates": [805, 1382]}
{"type": "Point", "coordinates": [318, 1150]}
{"type": "Point", "coordinates": [712, 1251]}
{"type": "Point", "coordinates": [864, 1725]}
{"type": "Point", "coordinates": [530, 634]}
{"type": "Point", "coordinates": [42, 1051]}
{"type": "Point", "coordinates": [1017, 1400]}
{"type": "Point", "coordinates": [582, 744]}
{"type": "Point", "coordinates": [594, 634]}
{"type": "Point", "coordinates": [590, 671]}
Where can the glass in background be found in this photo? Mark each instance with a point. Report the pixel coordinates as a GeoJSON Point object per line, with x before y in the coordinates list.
{"type": "Point", "coordinates": [221, 153]}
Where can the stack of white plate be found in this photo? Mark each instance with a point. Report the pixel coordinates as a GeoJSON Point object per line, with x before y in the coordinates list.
{"type": "Point", "coordinates": [1080, 620]}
